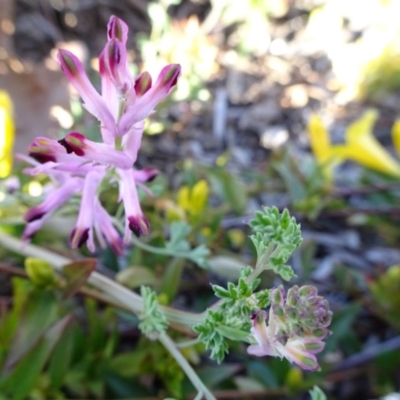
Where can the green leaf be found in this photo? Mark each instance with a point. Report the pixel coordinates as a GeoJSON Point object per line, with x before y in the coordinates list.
{"type": "Point", "coordinates": [153, 321]}
{"type": "Point", "coordinates": [232, 333]}
{"type": "Point", "coordinates": [199, 255]}
{"type": "Point", "coordinates": [263, 372]}
{"type": "Point", "coordinates": [211, 376]}
{"type": "Point", "coordinates": [172, 277]}
{"type": "Point", "coordinates": [20, 380]}
{"type": "Point", "coordinates": [230, 188]}
{"type": "Point", "coordinates": [220, 292]}
{"type": "Point", "coordinates": [61, 358]}
{"type": "Point", "coordinates": [178, 233]}
{"type": "Point", "coordinates": [76, 274]}
{"type": "Point", "coordinates": [317, 394]}
{"type": "Point", "coordinates": [125, 388]}
{"type": "Point", "coordinates": [341, 326]}
{"type": "Point", "coordinates": [128, 364]}
{"type": "Point", "coordinates": [38, 313]}
{"type": "Point", "coordinates": [295, 187]}
{"type": "Point", "coordinates": [285, 271]}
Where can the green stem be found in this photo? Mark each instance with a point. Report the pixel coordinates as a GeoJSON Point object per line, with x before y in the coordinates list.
{"type": "Point", "coordinates": [151, 249]}
{"type": "Point", "coordinates": [157, 250]}
{"type": "Point", "coordinates": [262, 265]}
{"type": "Point", "coordinates": [189, 371]}
{"type": "Point", "coordinates": [187, 343]}
{"type": "Point", "coordinates": [171, 279]}
{"type": "Point", "coordinates": [126, 297]}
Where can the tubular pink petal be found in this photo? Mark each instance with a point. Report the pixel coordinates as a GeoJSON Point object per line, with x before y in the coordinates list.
{"type": "Point", "coordinates": [114, 66]}
{"type": "Point", "coordinates": [144, 105]}
{"type": "Point", "coordinates": [260, 332]}
{"type": "Point", "coordinates": [105, 227]}
{"type": "Point", "coordinates": [46, 150]}
{"type": "Point", "coordinates": [90, 242]}
{"type": "Point", "coordinates": [131, 141]}
{"type": "Point", "coordinates": [31, 229]}
{"type": "Point", "coordinates": [168, 78]}
{"type": "Point", "coordinates": [135, 221]}
{"type": "Point", "coordinates": [54, 200]}
{"type": "Point", "coordinates": [117, 29]}
{"type": "Point", "coordinates": [109, 92]}
{"type": "Point", "coordinates": [145, 175]}
{"type": "Point", "coordinates": [94, 103]}
{"type": "Point", "coordinates": [313, 346]}
{"type": "Point", "coordinates": [82, 231]}
{"type": "Point", "coordinates": [293, 352]}
{"type": "Point", "coordinates": [99, 152]}
{"type": "Point", "coordinates": [258, 351]}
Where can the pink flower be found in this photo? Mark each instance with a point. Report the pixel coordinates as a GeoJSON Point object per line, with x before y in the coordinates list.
{"type": "Point", "coordinates": [79, 165]}
{"type": "Point", "coordinates": [294, 329]}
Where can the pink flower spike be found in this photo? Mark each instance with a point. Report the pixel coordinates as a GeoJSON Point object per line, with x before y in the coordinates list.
{"type": "Point", "coordinates": [117, 29]}
{"type": "Point", "coordinates": [82, 231]}
{"type": "Point", "coordinates": [55, 200]}
{"type": "Point", "coordinates": [93, 102]}
{"type": "Point", "coordinates": [135, 221]}
{"type": "Point", "coordinates": [102, 153]}
{"type": "Point", "coordinates": [144, 106]}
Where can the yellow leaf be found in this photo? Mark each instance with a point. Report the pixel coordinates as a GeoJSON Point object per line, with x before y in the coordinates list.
{"type": "Point", "coordinates": [363, 148]}
{"type": "Point", "coordinates": [7, 131]}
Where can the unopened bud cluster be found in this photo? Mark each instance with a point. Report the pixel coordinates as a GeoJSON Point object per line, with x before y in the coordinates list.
{"type": "Point", "coordinates": [294, 328]}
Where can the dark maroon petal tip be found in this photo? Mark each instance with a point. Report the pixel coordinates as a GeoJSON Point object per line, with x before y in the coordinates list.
{"type": "Point", "coordinates": [67, 62]}
{"type": "Point", "coordinates": [74, 143]}
{"type": "Point", "coordinates": [139, 225]}
{"type": "Point", "coordinates": [84, 236]}
{"type": "Point", "coordinates": [64, 143]}
{"type": "Point", "coordinates": [33, 214]}
{"type": "Point", "coordinates": [151, 173]}
{"type": "Point", "coordinates": [42, 157]}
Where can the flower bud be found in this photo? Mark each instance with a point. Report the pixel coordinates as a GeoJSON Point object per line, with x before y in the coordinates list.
{"type": "Point", "coordinates": [277, 295]}
{"type": "Point", "coordinates": [40, 272]}
{"type": "Point", "coordinates": [142, 84]}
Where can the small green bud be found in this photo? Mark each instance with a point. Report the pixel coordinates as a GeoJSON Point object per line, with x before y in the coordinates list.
{"type": "Point", "coordinates": [277, 295]}
{"type": "Point", "coordinates": [293, 296]}
{"type": "Point", "coordinates": [278, 310]}
{"type": "Point", "coordinates": [40, 273]}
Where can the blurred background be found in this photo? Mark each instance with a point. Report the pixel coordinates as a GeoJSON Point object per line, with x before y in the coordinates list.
{"type": "Point", "coordinates": [253, 74]}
